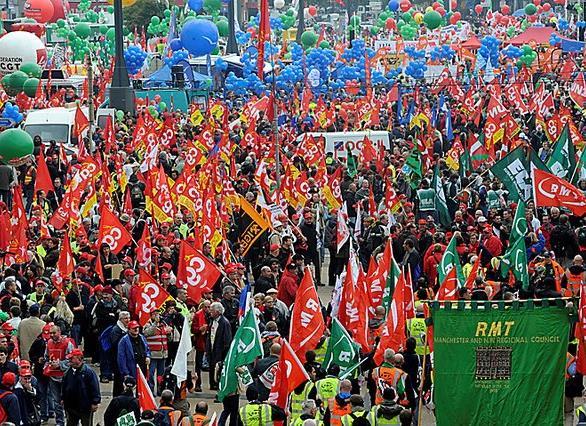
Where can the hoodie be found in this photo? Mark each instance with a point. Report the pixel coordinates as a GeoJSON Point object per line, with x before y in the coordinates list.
{"type": "Point", "coordinates": [388, 410]}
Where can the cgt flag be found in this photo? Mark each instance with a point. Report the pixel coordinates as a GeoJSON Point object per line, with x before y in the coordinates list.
{"type": "Point", "coordinates": [251, 226]}
{"type": "Point", "coordinates": [290, 374]}
{"type": "Point", "coordinates": [196, 272]}
{"type": "Point", "coordinates": [307, 321]}
{"type": "Point", "coordinates": [551, 191]}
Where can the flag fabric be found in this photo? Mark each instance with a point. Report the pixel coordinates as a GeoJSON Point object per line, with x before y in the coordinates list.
{"type": "Point", "coordinates": [112, 232]}
{"type": "Point", "coordinates": [244, 349]}
{"type": "Point", "coordinates": [473, 274]}
{"type": "Point", "coordinates": [264, 31]}
{"type": "Point", "coordinates": [146, 399]}
{"type": "Point", "coordinates": [81, 122]}
{"type": "Point", "coordinates": [551, 191]}
{"type": "Point", "coordinates": [144, 253]}
{"type": "Point", "coordinates": [519, 226]}
{"type": "Point", "coordinates": [342, 350]}
{"type": "Point", "coordinates": [413, 168]}
{"type": "Point", "coordinates": [66, 262]}
{"type": "Point", "coordinates": [244, 301]}
{"type": "Point", "coordinates": [578, 90]}
{"type": "Point", "coordinates": [152, 297]}
{"type": "Point", "coordinates": [450, 260]}
{"type": "Point", "coordinates": [290, 374]}
{"type": "Point", "coordinates": [252, 226]}
{"type": "Point", "coordinates": [195, 272]}
{"type": "Point", "coordinates": [515, 259]}
{"type": "Point", "coordinates": [307, 321]}
{"type": "Point", "coordinates": [179, 368]}
{"type": "Point", "coordinates": [440, 199]}
{"type": "Point", "coordinates": [449, 287]}
{"type": "Point", "coordinates": [43, 180]}
{"type": "Point", "coordinates": [562, 161]}
{"type": "Point", "coordinates": [342, 230]}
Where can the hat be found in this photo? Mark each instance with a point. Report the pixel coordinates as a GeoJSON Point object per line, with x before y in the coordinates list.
{"type": "Point", "coordinates": [277, 223]}
{"type": "Point", "coordinates": [133, 324]}
{"type": "Point", "coordinates": [9, 379]}
{"type": "Point", "coordinates": [24, 363]}
{"type": "Point", "coordinates": [165, 276]}
{"type": "Point", "coordinates": [34, 309]}
{"type": "Point", "coordinates": [7, 326]}
{"type": "Point", "coordinates": [481, 219]}
{"type": "Point", "coordinates": [47, 328]}
{"type": "Point", "coordinates": [271, 291]}
{"type": "Point", "coordinates": [98, 287]}
{"type": "Point", "coordinates": [108, 290]}
{"type": "Point", "coordinates": [240, 266]}
{"type": "Point", "coordinates": [274, 247]}
{"type": "Point", "coordinates": [75, 352]}
{"type": "Point", "coordinates": [165, 224]}
{"type": "Point", "coordinates": [25, 372]}
{"type": "Point", "coordinates": [129, 273]}
{"type": "Point", "coordinates": [167, 266]}
{"type": "Point", "coordinates": [231, 270]}
{"type": "Point", "coordinates": [124, 217]}
{"type": "Point", "coordinates": [38, 283]}
{"type": "Point", "coordinates": [546, 254]}
{"type": "Point", "coordinates": [127, 259]}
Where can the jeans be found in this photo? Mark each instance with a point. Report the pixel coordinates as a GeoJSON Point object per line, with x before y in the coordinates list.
{"type": "Point", "coordinates": [105, 364]}
{"type": "Point", "coordinates": [156, 369]}
{"type": "Point", "coordinates": [55, 395]}
{"type": "Point", "coordinates": [230, 409]}
{"type": "Point", "coordinates": [46, 403]}
{"type": "Point", "coordinates": [76, 334]}
{"type": "Point", "coordinates": [74, 417]}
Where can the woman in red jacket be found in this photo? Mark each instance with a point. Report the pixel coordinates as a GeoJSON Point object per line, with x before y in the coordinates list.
{"type": "Point", "coordinates": [288, 285]}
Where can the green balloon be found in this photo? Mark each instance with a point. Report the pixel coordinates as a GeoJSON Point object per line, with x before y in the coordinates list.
{"type": "Point", "coordinates": [432, 19]}
{"type": "Point", "coordinates": [325, 45]}
{"type": "Point", "coordinates": [162, 106]}
{"type": "Point", "coordinates": [152, 111]}
{"type": "Point", "coordinates": [15, 146]}
{"type": "Point", "coordinates": [119, 115]}
{"type": "Point", "coordinates": [211, 6]}
{"type": "Point", "coordinates": [103, 29]}
{"type": "Point", "coordinates": [61, 23]}
{"type": "Point", "coordinates": [82, 30]}
{"type": "Point", "coordinates": [31, 69]}
{"type": "Point", "coordinates": [155, 20]}
{"type": "Point", "coordinates": [167, 13]}
{"type": "Point", "coordinates": [407, 17]}
{"type": "Point", "coordinates": [6, 85]}
{"type": "Point", "coordinates": [30, 87]}
{"type": "Point", "coordinates": [216, 51]}
{"type": "Point", "coordinates": [527, 50]}
{"type": "Point", "coordinates": [17, 80]}
{"type": "Point", "coordinates": [374, 30]}
{"type": "Point", "coordinates": [308, 39]}
{"type": "Point", "coordinates": [354, 20]}
{"type": "Point", "coordinates": [223, 28]}
{"type": "Point", "coordinates": [110, 9]}
{"type": "Point", "coordinates": [110, 34]}
{"type": "Point", "coordinates": [530, 9]}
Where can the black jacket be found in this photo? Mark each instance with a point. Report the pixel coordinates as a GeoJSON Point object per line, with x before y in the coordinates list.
{"type": "Point", "coordinates": [218, 351]}
{"type": "Point", "coordinates": [81, 389]}
{"type": "Point", "coordinates": [121, 404]}
{"type": "Point", "coordinates": [10, 404]}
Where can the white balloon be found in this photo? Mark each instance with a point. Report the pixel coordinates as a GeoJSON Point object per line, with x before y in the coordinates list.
{"type": "Point", "coordinates": [306, 14]}
{"type": "Point", "coordinates": [20, 47]}
{"type": "Point", "coordinates": [279, 4]}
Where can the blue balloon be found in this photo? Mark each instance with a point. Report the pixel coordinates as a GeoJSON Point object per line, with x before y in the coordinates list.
{"type": "Point", "coordinates": [195, 5]}
{"type": "Point", "coordinates": [393, 5]}
{"type": "Point", "coordinates": [175, 44]}
{"type": "Point", "coordinates": [199, 37]}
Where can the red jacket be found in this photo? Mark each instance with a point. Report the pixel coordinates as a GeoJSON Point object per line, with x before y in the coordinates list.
{"type": "Point", "coordinates": [288, 286]}
{"type": "Point", "coordinates": [199, 337]}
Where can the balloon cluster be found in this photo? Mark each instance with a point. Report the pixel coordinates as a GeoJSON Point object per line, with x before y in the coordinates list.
{"type": "Point", "coordinates": [444, 52]}
{"type": "Point", "coordinates": [512, 52]}
{"type": "Point", "coordinates": [554, 39]}
{"type": "Point", "coordinates": [416, 69]}
{"type": "Point", "coordinates": [527, 57]}
{"type": "Point", "coordinates": [221, 65]}
{"type": "Point", "coordinates": [414, 53]}
{"type": "Point", "coordinates": [581, 24]}
{"type": "Point", "coordinates": [12, 112]}
{"type": "Point", "coordinates": [489, 49]}
{"type": "Point", "coordinates": [13, 83]}
{"type": "Point", "coordinates": [562, 24]}
{"type": "Point", "coordinates": [243, 37]}
{"type": "Point", "coordinates": [288, 19]}
{"type": "Point", "coordinates": [178, 55]}
{"type": "Point", "coordinates": [195, 5]}
{"type": "Point", "coordinates": [134, 57]}
{"type": "Point", "coordinates": [308, 39]}
{"type": "Point", "coordinates": [158, 26]}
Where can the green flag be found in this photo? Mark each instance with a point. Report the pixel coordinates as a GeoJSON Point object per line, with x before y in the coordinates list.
{"type": "Point", "coordinates": [440, 199]}
{"type": "Point", "coordinates": [562, 161]}
{"type": "Point", "coordinates": [465, 163]}
{"type": "Point", "coordinates": [519, 227]}
{"type": "Point", "coordinates": [515, 258]}
{"type": "Point", "coordinates": [342, 350]}
{"type": "Point", "coordinates": [449, 260]}
{"type": "Point", "coordinates": [581, 168]}
{"type": "Point", "coordinates": [244, 349]}
{"type": "Point", "coordinates": [514, 171]}
{"type": "Point", "coordinates": [392, 278]}
{"type": "Point", "coordinates": [351, 164]}
{"type": "Point", "coordinates": [413, 168]}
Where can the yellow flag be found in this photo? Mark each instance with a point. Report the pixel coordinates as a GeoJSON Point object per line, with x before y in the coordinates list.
{"type": "Point", "coordinates": [196, 117]}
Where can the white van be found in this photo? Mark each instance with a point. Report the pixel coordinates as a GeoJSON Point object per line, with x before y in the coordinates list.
{"type": "Point", "coordinates": [339, 142]}
{"type": "Point", "coordinates": [57, 124]}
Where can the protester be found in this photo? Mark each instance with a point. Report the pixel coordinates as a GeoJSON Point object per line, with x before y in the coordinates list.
{"type": "Point", "coordinates": [124, 403]}
{"type": "Point", "coordinates": [81, 391]}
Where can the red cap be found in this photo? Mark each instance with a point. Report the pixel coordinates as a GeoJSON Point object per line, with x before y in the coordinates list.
{"type": "Point", "coordinates": [108, 290]}
{"type": "Point", "coordinates": [9, 379]}
{"type": "Point", "coordinates": [75, 352]}
{"type": "Point", "coordinates": [274, 247]}
{"type": "Point", "coordinates": [24, 363]}
{"type": "Point", "coordinates": [167, 265]}
{"type": "Point", "coordinates": [240, 266]}
{"type": "Point", "coordinates": [231, 270]}
{"type": "Point", "coordinates": [7, 326]}
{"type": "Point", "coordinates": [129, 273]}
{"type": "Point", "coordinates": [165, 276]}
{"type": "Point", "coordinates": [133, 324]}
{"type": "Point", "coordinates": [25, 372]}
{"type": "Point", "coordinates": [127, 259]}
{"type": "Point", "coordinates": [98, 287]}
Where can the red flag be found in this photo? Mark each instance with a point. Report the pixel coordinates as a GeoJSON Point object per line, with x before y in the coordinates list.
{"type": "Point", "coordinates": [353, 311]}
{"type": "Point", "coordinates": [368, 151]}
{"type": "Point", "coordinates": [152, 297]}
{"type": "Point", "coordinates": [66, 263]}
{"type": "Point", "coordinates": [578, 90]}
{"type": "Point", "coordinates": [146, 400]}
{"type": "Point", "coordinates": [81, 122]}
{"type": "Point", "coordinates": [307, 321]}
{"type": "Point", "coordinates": [290, 374]}
{"type": "Point", "coordinates": [43, 181]}
{"type": "Point", "coordinates": [196, 272]}
{"type": "Point", "coordinates": [473, 274]}
{"type": "Point", "coordinates": [264, 31]}
{"type": "Point", "coordinates": [449, 288]}
{"type": "Point", "coordinates": [393, 334]}
{"type": "Point", "coordinates": [143, 249]}
{"type": "Point", "coordinates": [112, 232]}
{"type": "Point", "coordinates": [378, 277]}
{"type": "Point", "coordinates": [552, 191]}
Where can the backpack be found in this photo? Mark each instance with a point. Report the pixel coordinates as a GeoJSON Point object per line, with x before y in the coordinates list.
{"type": "Point", "coordinates": [163, 416]}
{"type": "Point", "coordinates": [105, 341]}
{"type": "Point", "coordinates": [360, 420]}
{"type": "Point", "coordinates": [3, 413]}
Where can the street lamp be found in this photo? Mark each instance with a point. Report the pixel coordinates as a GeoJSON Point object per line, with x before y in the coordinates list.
{"type": "Point", "coordinates": [231, 46]}
{"type": "Point", "coordinates": [301, 24]}
{"type": "Point", "coordinates": [121, 92]}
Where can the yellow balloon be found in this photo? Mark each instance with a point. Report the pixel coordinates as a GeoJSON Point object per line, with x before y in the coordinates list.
{"type": "Point", "coordinates": [418, 17]}
{"type": "Point", "coordinates": [429, 9]}
{"type": "Point", "coordinates": [553, 20]}
{"type": "Point", "coordinates": [125, 3]}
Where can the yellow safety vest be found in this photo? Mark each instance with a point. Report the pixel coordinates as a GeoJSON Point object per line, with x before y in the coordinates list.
{"type": "Point", "coordinates": [299, 422]}
{"type": "Point", "coordinates": [298, 399]}
{"type": "Point", "coordinates": [253, 414]}
{"type": "Point", "coordinates": [348, 419]}
{"type": "Point", "coordinates": [417, 330]}
{"type": "Point", "coordinates": [327, 388]}
{"type": "Point", "coordinates": [580, 410]}
{"type": "Point", "coordinates": [375, 420]}
{"type": "Point", "coordinates": [320, 353]}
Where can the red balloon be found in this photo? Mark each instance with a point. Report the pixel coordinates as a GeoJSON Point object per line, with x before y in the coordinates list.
{"type": "Point", "coordinates": [312, 10]}
{"type": "Point", "coordinates": [505, 20]}
{"type": "Point", "coordinates": [539, 10]}
{"type": "Point", "coordinates": [40, 10]}
{"type": "Point", "coordinates": [435, 5]}
{"type": "Point", "coordinates": [441, 11]}
{"type": "Point", "coordinates": [532, 18]}
{"type": "Point", "coordinates": [478, 9]}
{"type": "Point", "coordinates": [390, 24]}
{"type": "Point", "coordinates": [60, 7]}
{"type": "Point", "coordinates": [405, 5]}
{"type": "Point", "coordinates": [536, 2]}
{"type": "Point", "coordinates": [546, 7]}
{"type": "Point", "coordinates": [454, 4]}
{"type": "Point", "coordinates": [454, 19]}
{"type": "Point", "coordinates": [505, 9]}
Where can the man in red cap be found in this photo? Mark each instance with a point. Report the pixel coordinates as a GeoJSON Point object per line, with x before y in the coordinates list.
{"type": "Point", "coordinates": [9, 400]}
{"type": "Point", "coordinates": [81, 391]}
{"type": "Point", "coordinates": [133, 350]}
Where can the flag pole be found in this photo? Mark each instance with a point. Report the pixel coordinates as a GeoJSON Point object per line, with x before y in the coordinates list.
{"type": "Point", "coordinates": [420, 403]}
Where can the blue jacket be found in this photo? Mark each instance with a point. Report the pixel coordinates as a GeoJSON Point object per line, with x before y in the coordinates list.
{"type": "Point", "coordinates": [10, 403]}
{"type": "Point", "coordinates": [126, 361]}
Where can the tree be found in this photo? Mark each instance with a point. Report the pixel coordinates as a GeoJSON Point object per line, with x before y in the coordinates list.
{"type": "Point", "coordinates": [139, 14]}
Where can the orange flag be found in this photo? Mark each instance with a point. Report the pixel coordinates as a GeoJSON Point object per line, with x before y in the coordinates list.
{"type": "Point", "coordinates": [43, 181]}
{"type": "Point", "coordinates": [112, 232]}
{"type": "Point", "coordinates": [307, 321]}
{"type": "Point", "coordinates": [473, 274]}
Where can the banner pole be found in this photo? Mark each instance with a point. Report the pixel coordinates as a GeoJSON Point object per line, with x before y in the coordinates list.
{"type": "Point", "coordinates": [420, 403]}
